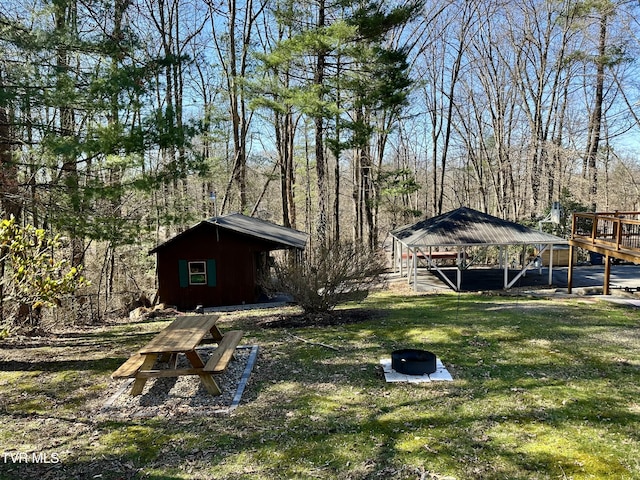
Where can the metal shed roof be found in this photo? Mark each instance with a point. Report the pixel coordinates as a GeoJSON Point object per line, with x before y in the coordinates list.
{"type": "Point", "coordinates": [261, 229]}
{"type": "Point", "coordinates": [467, 227]}
{"type": "Point", "coordinates": [253, 227]}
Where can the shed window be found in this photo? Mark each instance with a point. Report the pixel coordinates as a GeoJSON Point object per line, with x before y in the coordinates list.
{"type": "Point", "coordinates": [197, 272]}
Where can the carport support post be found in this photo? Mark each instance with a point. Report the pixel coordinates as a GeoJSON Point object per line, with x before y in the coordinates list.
{"type": "Point", "coordinates": [408, 265]}
{"type": "Point", "coordinates": [459, 271]}
{"type": "Point", "coordinates": [415, 270]}
{"type": "Point", "coordinates": [394, 254]}
{"type": "Point", "coordinates": [550, 264]}
{"type": "Point", "coordinates": [570, 272]}
{"type": "Point", "coordinates": [506, 266]}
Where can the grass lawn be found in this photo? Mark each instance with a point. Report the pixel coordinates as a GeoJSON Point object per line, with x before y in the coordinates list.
{"type": "Point", "coordinates": [543, 389]}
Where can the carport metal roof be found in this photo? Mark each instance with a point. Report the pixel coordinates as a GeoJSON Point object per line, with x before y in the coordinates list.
{"type": "Point", "coordinates": [465, 227]}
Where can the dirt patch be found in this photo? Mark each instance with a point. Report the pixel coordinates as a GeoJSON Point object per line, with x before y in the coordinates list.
{"type": "Point", "coordinates": [336, 317]}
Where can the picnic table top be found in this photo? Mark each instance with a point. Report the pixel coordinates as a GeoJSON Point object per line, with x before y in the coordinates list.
{"type": "Point", "coordinates": [182, 335]}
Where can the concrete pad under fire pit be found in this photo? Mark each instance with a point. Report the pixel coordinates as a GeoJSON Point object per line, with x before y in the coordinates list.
{"type": "Point", "coordinates": [390, 375]}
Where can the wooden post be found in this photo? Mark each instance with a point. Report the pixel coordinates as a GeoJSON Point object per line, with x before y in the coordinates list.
{"type": "Point", "coordinates": [570, 272]}
{"type": "Point", "coordinates": [139, 383]}
{"type": "Point", "coordinates": [594, 228]}
{"type": "Point", "coordinates": [607, 274]}
{"type": "Point", "coordinates": [207, 380]}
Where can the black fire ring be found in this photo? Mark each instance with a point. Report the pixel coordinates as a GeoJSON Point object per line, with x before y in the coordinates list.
{"type": "Point", "coordinates": [411, 361]}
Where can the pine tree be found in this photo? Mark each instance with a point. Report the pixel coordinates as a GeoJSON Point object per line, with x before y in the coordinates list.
{"type": "Point", "coordinates": [347, 72]}
{"type": "Point", "coordinates": [78, 88]}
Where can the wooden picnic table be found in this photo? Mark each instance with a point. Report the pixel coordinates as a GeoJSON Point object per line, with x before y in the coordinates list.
{"type": "Point", "coordinates": [182, 336]}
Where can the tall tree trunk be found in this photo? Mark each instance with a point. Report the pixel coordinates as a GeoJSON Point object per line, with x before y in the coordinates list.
{"type": "Point", "coordinates": [337, 232]}
{"type": "Point", "coordinates": [595, 121]}
{"type": "Point", "coordinates": [291, 169]}
{"type": "Point", "coordinates": [65, 20]}
{"type": "Point", "coordinates": [367, 193]}
{"type": "Point", "coordinates": [9, 190]}
{"type": "Point", "coordinates": [115, 173]}
{"type": "Point", "coordinates": [282, 130]}
{"type": "Point", "coordinates": [321, 161]}
{"type": "Point", "coordinates": [281, 133]}
{"type": "Point", "coordinates": [337, 153]}
{"type": "Point", "coordinates": [232, 49]}
{"type": "Point", "coordinates": [285, 130]}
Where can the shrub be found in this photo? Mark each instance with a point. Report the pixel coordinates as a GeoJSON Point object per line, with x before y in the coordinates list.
{"type": "Point", "coordinates": [327, 276]}
{"type": "Point", "coordinates": [31, 278]}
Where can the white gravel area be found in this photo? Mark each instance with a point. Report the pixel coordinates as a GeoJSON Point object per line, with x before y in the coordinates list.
{"type": "Point", "coordinates": [170, 397]}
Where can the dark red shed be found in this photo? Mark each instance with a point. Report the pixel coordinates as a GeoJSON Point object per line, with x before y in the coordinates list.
{"type": "Point", "coordinates": [217, 262]}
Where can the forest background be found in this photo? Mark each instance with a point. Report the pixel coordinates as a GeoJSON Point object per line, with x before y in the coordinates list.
{"type": "Point", "coordinates": [124, 122]}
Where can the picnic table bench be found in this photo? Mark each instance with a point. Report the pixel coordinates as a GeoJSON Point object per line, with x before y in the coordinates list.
{"type": "Point", "coordinates": [183, 335]}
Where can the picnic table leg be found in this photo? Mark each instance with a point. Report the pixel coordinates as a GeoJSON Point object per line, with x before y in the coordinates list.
{"type": "Point", "coordinates": [173, 361]}
{"type": "Point", "coordinates": [206, 378]}
{"type": "Point", "coordinates": [138, 385]}
{"type": "Point", "coordinates": [216, 333]}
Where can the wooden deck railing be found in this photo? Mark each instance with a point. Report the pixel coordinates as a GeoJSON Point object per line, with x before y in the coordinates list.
{"type": "Point", "coordinates": [614, 235]}
{"type": "Point", "coordinates": [616, 232]}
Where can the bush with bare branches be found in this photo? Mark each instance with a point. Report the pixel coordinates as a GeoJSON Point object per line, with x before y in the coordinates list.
{"type": "Point", "coordinates": [327, 276]}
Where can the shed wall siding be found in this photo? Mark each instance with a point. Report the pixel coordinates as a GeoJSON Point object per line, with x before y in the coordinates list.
{"type": "Point", "coordinates": [234, 256]}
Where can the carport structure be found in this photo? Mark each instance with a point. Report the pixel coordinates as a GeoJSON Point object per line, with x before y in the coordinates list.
{"type": "Point", "coordinates": [450, 235]}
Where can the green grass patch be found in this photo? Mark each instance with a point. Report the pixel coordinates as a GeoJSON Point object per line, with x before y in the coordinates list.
{"type": "Point", "coordinates": [542, 389]}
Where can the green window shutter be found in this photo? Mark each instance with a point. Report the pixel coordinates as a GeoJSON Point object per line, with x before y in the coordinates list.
{"type": "Point", "coordinates": [211, 273]}
{"type": "Point", "coordinates": [183, 269]}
